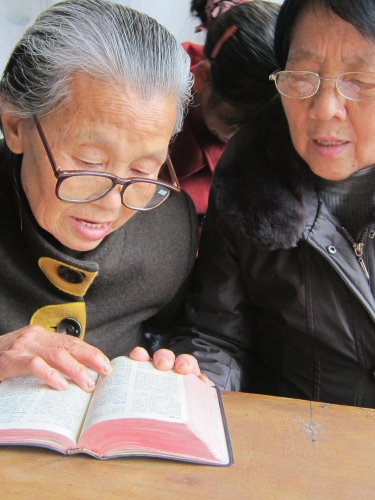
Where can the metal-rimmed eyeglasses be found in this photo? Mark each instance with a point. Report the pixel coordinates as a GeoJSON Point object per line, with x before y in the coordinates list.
{"type": "Point", "coordinates": [85, 186]}
{"type": "Point", "coordinates": [355, 86]}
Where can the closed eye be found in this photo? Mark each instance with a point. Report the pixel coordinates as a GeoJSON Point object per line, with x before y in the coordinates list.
{"type": "Point", "coordinates": [139, 173]}
{"type": "Point", "coordinates": [87, 165]}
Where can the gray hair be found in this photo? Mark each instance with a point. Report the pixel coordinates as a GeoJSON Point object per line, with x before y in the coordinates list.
{"type": "Point", "coordinates": [99, 38]}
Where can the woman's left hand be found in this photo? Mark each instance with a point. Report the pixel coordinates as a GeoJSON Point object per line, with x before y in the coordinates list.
{"type": "Point", "coordinates": [165, 360]}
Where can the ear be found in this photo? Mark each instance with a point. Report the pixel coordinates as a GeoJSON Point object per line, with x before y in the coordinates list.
{"type": "Point", "coordinates": [12, 126]}
{"type": "Point", "coordinates": [202, 74]}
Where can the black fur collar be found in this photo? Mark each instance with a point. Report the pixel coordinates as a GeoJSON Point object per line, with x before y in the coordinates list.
{"type": "Point", "coordinates": [263, 188]}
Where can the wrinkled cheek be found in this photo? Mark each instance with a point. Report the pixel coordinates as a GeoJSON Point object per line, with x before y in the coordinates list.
{"type": "Point", "coordinates": [300, 142]}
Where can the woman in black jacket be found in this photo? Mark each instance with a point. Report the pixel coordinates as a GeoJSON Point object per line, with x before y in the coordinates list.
{"type": "Point", "coordinates": [284, 294]}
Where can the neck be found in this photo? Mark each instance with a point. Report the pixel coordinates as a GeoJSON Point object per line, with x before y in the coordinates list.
{"type": "Point", "coordinates": [351, 200]}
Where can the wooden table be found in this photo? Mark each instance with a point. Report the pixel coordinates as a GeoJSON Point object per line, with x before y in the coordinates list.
{"type": "Point", "coordinates": [283, 449]}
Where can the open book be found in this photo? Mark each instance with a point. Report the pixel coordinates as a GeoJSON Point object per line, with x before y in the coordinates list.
{"type": "Point", "coordinates": [136, 410]}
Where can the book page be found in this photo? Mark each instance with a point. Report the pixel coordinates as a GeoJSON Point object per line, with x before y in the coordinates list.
{"type": "Point", "coordinates": [28, 403]}
{"type": "Point", "coordinates": [138, 390]}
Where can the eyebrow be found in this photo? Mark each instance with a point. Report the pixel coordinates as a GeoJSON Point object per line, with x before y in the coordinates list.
{"type": "Point", "coordinates": [98, 141]}
{"type": "Point", "coordinates": [301, 54]}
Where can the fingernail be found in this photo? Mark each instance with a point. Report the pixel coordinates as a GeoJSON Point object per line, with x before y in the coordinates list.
{"type": "Point", "coordinates": [183, 364]}
{"type": "Point", "coordinates": [64, 385]}
{"type": "Point", "coordinates": [162, 361]}
{"type": "Point", "coordinates": [107, 368]}
{"type": "Point", "coordinates": [90, 384]}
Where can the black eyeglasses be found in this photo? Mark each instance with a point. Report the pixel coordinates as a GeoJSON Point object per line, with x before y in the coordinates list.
{"type": "Point", "coordinates": [355, 86]}
{"type": "Point", "coordinates": [85, 186]}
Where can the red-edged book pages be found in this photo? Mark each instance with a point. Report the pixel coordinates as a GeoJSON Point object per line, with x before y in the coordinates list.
{"type": "Point", "coordinates": [136, 410]}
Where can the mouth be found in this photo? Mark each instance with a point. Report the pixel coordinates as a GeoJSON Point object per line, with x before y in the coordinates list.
{"type": "Point", "coordinates": [93, 225]}
{"type": "Point", "coordinates": [91, 230]}
{"type": "Point", "coordinates": [332, 143]}
{"type": "Point", "coordinates": [330, 147]}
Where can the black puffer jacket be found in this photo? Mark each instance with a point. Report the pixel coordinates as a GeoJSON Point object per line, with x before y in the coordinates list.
{"type": "Point", "coordinates": [281, 305]}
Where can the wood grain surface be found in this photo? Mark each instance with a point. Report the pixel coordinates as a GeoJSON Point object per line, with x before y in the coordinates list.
{"type": "Point", "coordinates": [283, 449]}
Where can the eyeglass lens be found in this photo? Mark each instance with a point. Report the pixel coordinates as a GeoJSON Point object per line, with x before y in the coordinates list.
{"type": "Point", "coordinates": [301, 84]}
{"type": "Point", "coordinates": [137, 195]}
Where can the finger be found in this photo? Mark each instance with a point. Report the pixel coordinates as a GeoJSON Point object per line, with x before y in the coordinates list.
{"type": "Point", "coordinates": [62, 360]}
{"type": "Point", "coordinates": [185, 363]}
{"type": "Point", "coordinates": [45, 362]}
{"type": "Point", "coordinates": [85, 354]}
{"type": "Point", "coordinates": [42, 353]}
{"type": "Point", "coordinates": [36, 340]}
{"type": "Point", "coordinates": [164, 359]}
{"type": "Point", "coordinates": [32, 365]}
{"type": "Point", "coordinates": [205, 379]}
{"type": "Point", "coordinates": [139, 354]}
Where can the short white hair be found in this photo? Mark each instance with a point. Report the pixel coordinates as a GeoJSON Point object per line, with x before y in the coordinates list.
{"type": "Point", "coordinates": [99, 38]}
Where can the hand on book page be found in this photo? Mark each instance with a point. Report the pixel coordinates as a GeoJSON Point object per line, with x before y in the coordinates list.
{"type": "Point", "coordinates": [33, 350]}
{"type": "Point", "coordinates": [136, 410]}
{"type": "Point", "coordinates": [165, 360]}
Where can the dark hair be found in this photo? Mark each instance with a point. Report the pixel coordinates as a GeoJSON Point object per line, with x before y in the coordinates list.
{"type": "Point", "coordinates": [239, 73]}
{"type": "Point", "coordinates": [198, 8]}
{"type": "Point", "coordinates": [359, 13]}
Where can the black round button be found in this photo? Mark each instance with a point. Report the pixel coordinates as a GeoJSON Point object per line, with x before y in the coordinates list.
{"type": "Point", "coordinates": [69, 326]}
{"type": "Point", "coordinates": [70, 275]}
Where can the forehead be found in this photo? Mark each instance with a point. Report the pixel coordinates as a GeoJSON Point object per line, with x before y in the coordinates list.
{"type": "Point", "coordinates": [321, 36]}
{"type": "Point", "coordinates": [93, 102]}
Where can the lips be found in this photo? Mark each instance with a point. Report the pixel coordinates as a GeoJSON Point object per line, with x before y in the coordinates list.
{"type": "Point", "coordinates": [322, 142]}
{"type": "Point", "coordinates": [91, 230]}
{"type": "Point", "coordinates": [330, 147]}
{"type": "Point", "coordinates": [94, 225]}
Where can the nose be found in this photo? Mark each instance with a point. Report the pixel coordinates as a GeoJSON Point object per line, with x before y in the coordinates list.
{"type": "Point", "coordinates": [111, 201]}
{"type": "Point", "coordinates": [327, 103]}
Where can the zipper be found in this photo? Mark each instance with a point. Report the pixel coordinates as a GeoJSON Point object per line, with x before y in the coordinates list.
{"type": "Point", "coordinates": [358, 248]}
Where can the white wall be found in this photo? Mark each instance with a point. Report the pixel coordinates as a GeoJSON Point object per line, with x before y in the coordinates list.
{"type": "Point", "coordinates": [16, 15]}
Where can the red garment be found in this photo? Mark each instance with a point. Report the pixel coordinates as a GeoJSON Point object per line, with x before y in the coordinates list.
{"type": "Point", "coordinates": [195, 151]}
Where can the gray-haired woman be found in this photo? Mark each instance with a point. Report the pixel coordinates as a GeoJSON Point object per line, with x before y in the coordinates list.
{"type": "Point", "coordinates": [93, 244]}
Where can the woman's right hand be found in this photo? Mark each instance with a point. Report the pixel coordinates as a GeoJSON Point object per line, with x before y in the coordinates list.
{"type": "Point", "coordinates": [165, 360]}
{"type": "Point", "coordinates": [33, 350]}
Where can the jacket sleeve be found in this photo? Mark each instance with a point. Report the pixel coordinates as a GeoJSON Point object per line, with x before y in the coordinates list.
{"type": "Point", "coordinates": [217, 329]}
{"type": "Point", "coordinates": [158, 330]}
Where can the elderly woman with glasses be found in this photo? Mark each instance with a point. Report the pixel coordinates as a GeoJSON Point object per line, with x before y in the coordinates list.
{"type": "Point", "coordinates": [284, 295]}
{"type": "Point", "coordinates": [97, 242]}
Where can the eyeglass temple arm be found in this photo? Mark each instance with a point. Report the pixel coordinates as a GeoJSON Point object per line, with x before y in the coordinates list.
{"type": "Point", "coordinates": [172, 173]}
{"type": "Point", "coordinates": [46, 146]}
{"type": "Point", "coordinates": [273, 75]}
{"type": "Point", "coordinates": [56, 168]}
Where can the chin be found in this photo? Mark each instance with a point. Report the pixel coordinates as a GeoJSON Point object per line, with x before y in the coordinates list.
{"type": "Point", "coordinates": [81, 246]}
{"type": "Point", "coordinates": [334, 174]}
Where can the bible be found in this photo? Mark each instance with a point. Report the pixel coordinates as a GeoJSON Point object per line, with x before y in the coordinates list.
{"type": "Point", "coordinates": [137, 410]}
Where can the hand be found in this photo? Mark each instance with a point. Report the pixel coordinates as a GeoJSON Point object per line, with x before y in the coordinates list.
{"type": "Point", "coordinates": [33, 350]}
{"type": "Point", "coordinates": [165, 360]}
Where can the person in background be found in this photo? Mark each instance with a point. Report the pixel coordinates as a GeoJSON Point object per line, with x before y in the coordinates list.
{"type": "Point", "coordinates": [230, 83]}
{"type": "Point", "coordinates": [94, 242]}
{"type": "Point", "coordinates": [283, 302]}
